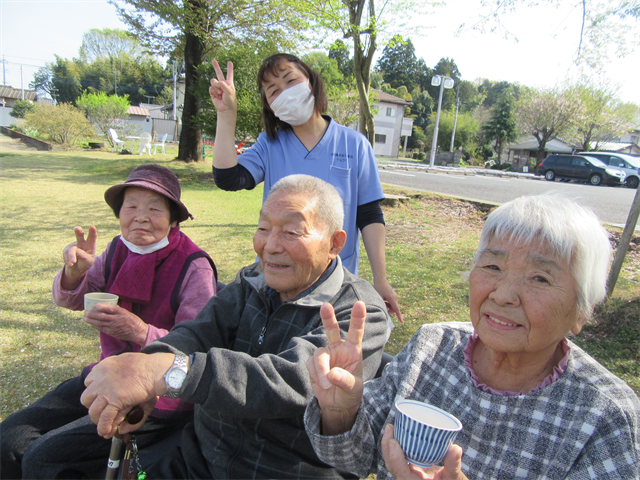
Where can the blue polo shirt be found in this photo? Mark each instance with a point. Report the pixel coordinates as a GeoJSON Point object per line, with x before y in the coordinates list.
{"type": "Point", "coordinates": [343, 157]}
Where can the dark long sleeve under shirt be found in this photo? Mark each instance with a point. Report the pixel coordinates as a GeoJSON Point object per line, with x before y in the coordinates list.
{"type": "Point", "coordinates": [239, 178]}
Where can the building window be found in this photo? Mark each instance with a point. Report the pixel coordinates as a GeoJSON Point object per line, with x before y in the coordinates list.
{"type": "Point", "coordinates": [380, 138]}
{"type": "Point", "coordinates": [391, 112]}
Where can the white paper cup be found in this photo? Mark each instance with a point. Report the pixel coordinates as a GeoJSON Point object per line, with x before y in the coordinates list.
{"type": "Point", "coordinates": [424, 432]}
{"type": "Point", "coordinates": [93, 299]}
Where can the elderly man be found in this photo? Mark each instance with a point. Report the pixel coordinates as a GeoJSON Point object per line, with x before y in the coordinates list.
{"type": "Point", "coordinates": [242, 360]}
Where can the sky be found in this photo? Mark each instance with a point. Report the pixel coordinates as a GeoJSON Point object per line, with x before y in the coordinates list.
{"type": "Point", "coordinates": [33, 31]}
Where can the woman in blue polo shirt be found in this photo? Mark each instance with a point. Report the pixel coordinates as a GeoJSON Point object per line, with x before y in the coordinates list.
{"type": "Point", "coordinates": [298, 138]}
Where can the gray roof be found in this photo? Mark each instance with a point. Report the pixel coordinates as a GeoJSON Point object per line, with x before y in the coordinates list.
{"type": "Point", "coordinates": [388, 98]}
{"type": "Point", "coordinates": [9, 92]}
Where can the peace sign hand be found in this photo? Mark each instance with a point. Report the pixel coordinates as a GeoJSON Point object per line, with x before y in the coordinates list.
{"type": "Point", "coordinates": [336, 370]}
{"type": "Point", "coordinates": [78, 257]}
{"type": "Point", "coordinates": [222, 90]}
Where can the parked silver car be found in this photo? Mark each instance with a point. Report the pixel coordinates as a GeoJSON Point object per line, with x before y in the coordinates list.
{"type": "Point", "coordinates": [628, 163]}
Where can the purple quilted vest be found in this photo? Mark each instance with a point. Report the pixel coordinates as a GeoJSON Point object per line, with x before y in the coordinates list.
{"type": "Point", "coordinates": [149, 286]}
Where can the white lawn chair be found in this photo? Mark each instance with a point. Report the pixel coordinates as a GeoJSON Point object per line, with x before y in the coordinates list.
{"type": "Point", "coordinates": [161, 143]}
{"type": "Point", "coordinates": [114, 138]}
{"type": "Point", "coordinates": [145, 143]}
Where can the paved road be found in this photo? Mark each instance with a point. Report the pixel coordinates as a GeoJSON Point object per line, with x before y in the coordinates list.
{"type": "Point", "coordinates": [611, 204]}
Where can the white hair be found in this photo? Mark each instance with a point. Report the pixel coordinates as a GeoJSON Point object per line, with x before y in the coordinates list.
{"type": "Point", "coordinates": [324, 200]}
{"type": "Point", "coordinates": [572, 232]}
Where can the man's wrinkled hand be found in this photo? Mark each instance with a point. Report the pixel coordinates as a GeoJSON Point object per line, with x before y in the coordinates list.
{"type": "Point", "coordinates": [119, 383]}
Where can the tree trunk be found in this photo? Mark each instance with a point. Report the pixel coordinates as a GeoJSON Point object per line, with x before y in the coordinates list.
{"type": "Point", "coordinates": [362, 63]}
{"type": "Point", "coordinates": [542, 138]}
{"type": "Point", "coordinates": [190, 149]}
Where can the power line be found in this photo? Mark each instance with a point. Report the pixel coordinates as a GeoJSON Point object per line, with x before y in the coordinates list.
{"type": "Point", "coordinates": [23, 64]}
{"type": "Point", "coordinates": [28, 58]}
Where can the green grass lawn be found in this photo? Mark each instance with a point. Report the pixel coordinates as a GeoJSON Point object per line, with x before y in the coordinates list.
{"type": "Point", "coordinates": [43, 195]}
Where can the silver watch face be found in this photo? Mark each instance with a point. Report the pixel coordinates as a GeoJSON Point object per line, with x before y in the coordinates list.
{"type": "Point", "coordinates": [175, 378]}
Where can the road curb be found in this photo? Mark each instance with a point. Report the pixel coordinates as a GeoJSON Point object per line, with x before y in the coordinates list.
{"type": "Point", "coordinates": [457, 171]}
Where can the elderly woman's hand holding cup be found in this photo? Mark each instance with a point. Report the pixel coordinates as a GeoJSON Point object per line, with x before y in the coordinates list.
{"type": "Point", "coordinates": [118, 322]}
{"type": "Point", "coordinates": [336, 378]}
{"type": "Point", "coordinates": [396, 462]}
{"type": "Point", "coordinates": [78, 257]}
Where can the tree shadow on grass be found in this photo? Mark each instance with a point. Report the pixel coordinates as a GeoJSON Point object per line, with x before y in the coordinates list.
{"type": "Point", "coordinates": [99, 171]}
{"type": "Point", "coordinates": [42, 315]}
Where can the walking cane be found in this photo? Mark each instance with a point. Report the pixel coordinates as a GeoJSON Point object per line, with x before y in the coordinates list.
{"type": "Point", "coordinates": [134, 416]}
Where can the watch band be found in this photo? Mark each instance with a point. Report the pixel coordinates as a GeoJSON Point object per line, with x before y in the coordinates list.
{"type": "Point", "coordinates": [174, 378]}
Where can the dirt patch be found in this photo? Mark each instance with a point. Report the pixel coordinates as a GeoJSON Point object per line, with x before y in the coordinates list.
{"type": "Point", "coordinates": [609, 319]}
{"type": "Point", "coordinates": [13, 145]}
{"type": "Point", "coordinates": [634, 243]}
{"type": "Point", "coordinates": [429, 219]}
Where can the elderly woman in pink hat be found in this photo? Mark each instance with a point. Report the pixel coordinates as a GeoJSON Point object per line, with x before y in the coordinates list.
{"type": "Point", "coordinates": [161, 277]}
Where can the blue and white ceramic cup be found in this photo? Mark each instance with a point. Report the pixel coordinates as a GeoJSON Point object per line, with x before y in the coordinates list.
{"type": "Point", "coordinates": [424, 432]}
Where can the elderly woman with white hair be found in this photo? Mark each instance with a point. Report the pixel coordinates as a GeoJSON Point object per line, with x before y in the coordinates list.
{"type": "Point", "coordinates": [531, 402]}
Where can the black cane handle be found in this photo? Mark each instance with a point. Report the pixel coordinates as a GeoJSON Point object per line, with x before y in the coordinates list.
{"type": "Point", "coordinates": [135, 415]}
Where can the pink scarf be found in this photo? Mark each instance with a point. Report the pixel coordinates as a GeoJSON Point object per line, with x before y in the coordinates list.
{"type": "Point", "coordinates": [134, 281]}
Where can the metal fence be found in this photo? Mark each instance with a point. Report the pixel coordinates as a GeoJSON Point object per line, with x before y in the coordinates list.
{"type": "Point", "coordinates": [5, 118]}
{"type": "Point", "coordinates": [160, 126]}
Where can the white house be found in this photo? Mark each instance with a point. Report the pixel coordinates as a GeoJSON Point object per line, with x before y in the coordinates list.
{"type": "Point", "coordinates": [8, 97]}
{"type": "Point", "coordinates": [390, 124]}
{"type": "Point", "coordinates": [619, 147]}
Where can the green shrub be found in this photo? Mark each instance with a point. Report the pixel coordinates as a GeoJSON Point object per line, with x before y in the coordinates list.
{"type": "Point", "coordinates": [63, 123]}
{"type": "Point", "coordinates": [21, 108]}
{"type": "Point", "coordinates": [422, 156]}
{"type": "Point", "coordinates": [103, 110]}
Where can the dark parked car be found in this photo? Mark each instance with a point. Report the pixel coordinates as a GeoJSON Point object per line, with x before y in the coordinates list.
{"type": "Point", "coordinates": [581, 168]}
{"type": "Point", "coordinates": [627, 163]}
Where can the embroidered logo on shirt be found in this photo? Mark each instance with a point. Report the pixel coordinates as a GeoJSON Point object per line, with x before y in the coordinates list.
{"type": "Point", "coordinates": [341, 157]}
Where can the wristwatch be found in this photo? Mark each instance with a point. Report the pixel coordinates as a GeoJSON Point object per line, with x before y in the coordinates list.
{"type": "Point", "coordinates": [174, 378]}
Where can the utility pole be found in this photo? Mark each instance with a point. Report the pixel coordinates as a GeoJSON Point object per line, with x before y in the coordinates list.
{"type": "Point", "coordinates": [175, 107]}
{"type": "Point", "coordinates": [115, 85]}
{"type": "Point", "coordinates": [21, 84]}
{"type": "Point", "coordinates": [623, 244]}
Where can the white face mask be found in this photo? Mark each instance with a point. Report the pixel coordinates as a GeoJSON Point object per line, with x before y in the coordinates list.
{"type": "Point", "coordinates": [294, 105]}
{"type": "Point", "coordinates": [147, 249]}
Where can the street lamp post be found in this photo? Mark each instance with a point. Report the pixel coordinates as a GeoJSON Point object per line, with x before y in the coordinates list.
{"type": "Point", "coordinates": [444, 82]}
{"type": "Point", "coordinates": [455, 121]}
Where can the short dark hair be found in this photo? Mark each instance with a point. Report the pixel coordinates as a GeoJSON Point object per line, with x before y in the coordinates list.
{"type": "Point", "coordinates": [174, 211]}
{"type": "Point", "coordinates": [271, 66]}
